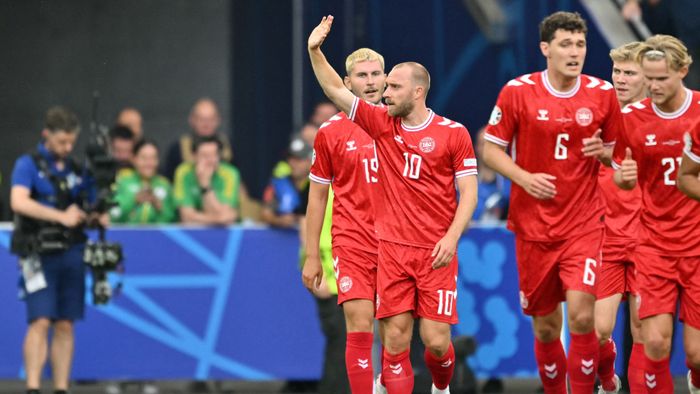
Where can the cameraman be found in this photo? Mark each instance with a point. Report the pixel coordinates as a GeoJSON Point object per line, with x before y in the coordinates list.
{"type": "Point", "coordinates": [48, 189]}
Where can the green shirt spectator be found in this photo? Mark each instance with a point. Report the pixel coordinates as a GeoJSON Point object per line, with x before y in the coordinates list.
{"type": "Point", "coordinates": [207, 191]}
{"type": "Point", "coordinates": [143, 201]}
{"type": "Point", "coordinates": [225, 184]}
{"type": "Point", "coordinates": [142, 195]}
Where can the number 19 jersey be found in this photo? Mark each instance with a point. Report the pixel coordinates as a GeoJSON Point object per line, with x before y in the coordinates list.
{"type": "Point", "coordinates": [344, 158]}
{"type": "Point", "coordinates": [417, 169]}
{"type": "Point", "coordinates": [545, 129]}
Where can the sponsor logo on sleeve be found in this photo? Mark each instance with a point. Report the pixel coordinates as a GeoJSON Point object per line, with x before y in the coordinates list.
{"type": "Point", "coordinates": [496, 116]}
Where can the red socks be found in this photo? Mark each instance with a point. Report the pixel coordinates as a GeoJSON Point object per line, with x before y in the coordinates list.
{"type": "Point", "coordinates": [358, 361]}
{"type": "Point", "coordinates": [657, 376]}
{"type": "Point", "coordinates": [606, 365]}
{"type": "Point", "coordinates": [551, 362]}
{"type": "Point", "coordinates": [583, 362]}
{"type": "Point", "coordinates": [441, 369]}
{"type": "Point", "coordinates": [694, 375]}
{"type": "Point", "coordinates": [397, 373]}
{"type": "Point", "coordinates": [635, 369]}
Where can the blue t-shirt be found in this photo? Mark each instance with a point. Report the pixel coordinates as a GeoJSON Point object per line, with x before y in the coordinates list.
{"type": "Point", "coordinates": [27, 174]}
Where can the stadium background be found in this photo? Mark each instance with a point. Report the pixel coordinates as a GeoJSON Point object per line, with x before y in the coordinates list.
{"type": "Point", "coordinates": [249, 56]}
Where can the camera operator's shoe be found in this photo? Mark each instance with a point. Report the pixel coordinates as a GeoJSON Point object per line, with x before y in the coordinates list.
{"type": "Point", "coordinates": [618, 386]}
{"type": "Point", "coordinates": [691, 388]}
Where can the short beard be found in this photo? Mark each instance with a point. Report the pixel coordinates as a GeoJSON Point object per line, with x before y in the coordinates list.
{"type": "Point", "coordinates": [401, 111]}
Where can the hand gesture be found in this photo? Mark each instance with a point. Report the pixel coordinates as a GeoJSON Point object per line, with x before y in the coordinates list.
{"type": "Point", "coordinates": [444, 251]}
{"type": "Point", "coordinates": [144, 196]}
{"type": "Point", "coordinates": [593, 146]}
{"type": "Point", "coordinates": [540, 186]}
{"type": "Point", "coordinates": [319, 34]}
{"type": "Point", "coordinates": [72, 216]}
{"type": "Point", "coordinates": [628, 169]}
{"type": "Point", "coordinates": [204, 171]}
{"type": "Point", "coordinates": [312, 273]}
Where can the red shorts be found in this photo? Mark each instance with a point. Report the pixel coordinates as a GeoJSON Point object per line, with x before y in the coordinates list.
{"type": "Point", "coordinates": [355, 273]}
{"type": "Point", "coordinates": [547, 270]}
{"type": "Point", "coordinates": [662, 280]}
{"type": "Point", "coordinates": [617, 273]}
{"type": "Point", "coordinates": [406, 281]}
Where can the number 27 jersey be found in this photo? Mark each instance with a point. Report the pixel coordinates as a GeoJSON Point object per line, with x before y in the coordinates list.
{"type": "Point", "coordinates": [545, 129]}
{"type": "Point", "coordinates": [416, 202]}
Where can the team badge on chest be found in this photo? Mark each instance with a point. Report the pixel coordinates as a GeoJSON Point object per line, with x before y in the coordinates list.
{"type": "Point", "coordinates": [427, 144]}
{"type": "Point", "coordinates": [584, 116]}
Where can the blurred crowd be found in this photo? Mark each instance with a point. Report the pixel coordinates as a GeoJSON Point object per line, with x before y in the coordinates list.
{"type": "Point", "coordinates": [197, 181]}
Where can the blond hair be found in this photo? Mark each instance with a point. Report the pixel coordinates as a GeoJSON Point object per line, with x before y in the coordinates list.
{"type": "Point", "coordinates": [362, 55]}
{"type": "Point", "coordinates": [667, 47]}
{"type": "Point", "coordinates": [626, 52]}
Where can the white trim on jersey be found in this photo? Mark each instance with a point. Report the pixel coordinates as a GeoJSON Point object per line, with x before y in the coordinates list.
{"type": "Point", "coordinates": [353, 109]}
{"type": "Point", "coordinates": [320, 180]}
{"type": "Point", "coordinates": [609, 144]}
{"type": "Point", "coordinates": [495, 140]}
{"type": "Point", "coordinates": [460, 174]}
{"type": "Point", "coordinates": [692, 155]}
{"type": "Point", "coordinates": [615, 166]}
{"type": "Point", "coordinates": [673, 115]}
{"type": "Point", "coordinates": [421, 126]}
{"type": "Point", "coordinates": [556, 93]}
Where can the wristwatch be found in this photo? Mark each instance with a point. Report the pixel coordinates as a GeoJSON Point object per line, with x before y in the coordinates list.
{"type": "Point", "coordinates": [204, 190]}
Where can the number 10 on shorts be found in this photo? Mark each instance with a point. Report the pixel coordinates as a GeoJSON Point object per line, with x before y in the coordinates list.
{"type": "Point", "coordinates": [446, 302]}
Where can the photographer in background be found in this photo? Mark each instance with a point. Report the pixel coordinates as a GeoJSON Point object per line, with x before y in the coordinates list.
{"type": "Point", "coordinates": [48, 190]}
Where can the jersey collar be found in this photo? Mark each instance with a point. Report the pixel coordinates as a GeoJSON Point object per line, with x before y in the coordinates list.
{"type": "Point", "coordinates": [680, 111]}
{"type": "Point", "coordinates": [556, 93]}
{"type": "Point", "coordinates": [421, 126]}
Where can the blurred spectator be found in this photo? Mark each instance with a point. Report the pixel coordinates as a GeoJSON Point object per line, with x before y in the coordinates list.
{"type": "Point", "coordinates": [308, 133]}
{"type": "Point", "coordinates": [679, 18]}
{"type": "Point", "coordinates": [204, 121]}
{"type": "Point", "coordinates": [207, 191]}
{"type": "Point", "coordinates": [142, 195]}
{"type": "Point", "coordinates": [322, 112]}
{"type": "Point", "coordinates": [494, 189]}
{"type": "Point", "coordinates": [283, 197]}
{"type": "Point", "coordinates": [121, 141]}
{"type": "Point", "coordinates": [131, 117]}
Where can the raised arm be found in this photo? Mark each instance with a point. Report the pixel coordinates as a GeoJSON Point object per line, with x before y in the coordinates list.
{"type": "Point", "coordinates": [327, 77]}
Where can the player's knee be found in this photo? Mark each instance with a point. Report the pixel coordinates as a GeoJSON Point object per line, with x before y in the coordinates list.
{"type": "Point", "coordinates": [547, 333]}
{"type": "Point", "coordinates": [437, 345]}
{"type": "Point", "coordinates": [360, 324]}
{"type": "Point", "coordinates": [692, 354]}
{"type": "Point", "coordinates": [657, 345]}
{"type": "Point", "coordinates": [604, 332]}
{"type": "Point", "coordinates": [396, 339]}
{"type": "Point", "coordinates": [581, 321]}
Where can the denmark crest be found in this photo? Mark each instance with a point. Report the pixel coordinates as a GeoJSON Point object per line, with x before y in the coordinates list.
{"type": "Point", "coordinates": [427, 144]}
{"type": "Point", "coordinates": [584, 116]}
{"type": "Point", "coordinates": [345, 284]}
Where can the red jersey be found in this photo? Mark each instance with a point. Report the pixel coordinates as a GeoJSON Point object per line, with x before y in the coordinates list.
{"type": "Point", "coordinates": [418, 165]}
{"type": "Point", "coordinates": [545, 129]}
{"type": "Point", "coordinates": [344, 158]}
{"type": "Point", "coordinates": [692, 144]}
{"type": "Point", "coordinates": [670, 221]}
{"type": "Point", "coordinates": [622, 210]}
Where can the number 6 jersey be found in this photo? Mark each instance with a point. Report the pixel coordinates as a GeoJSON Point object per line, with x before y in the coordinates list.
{"type": "Point", "coordinates": [545, 129]}
{"type": "Point", "coordinates": [418, 165]}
